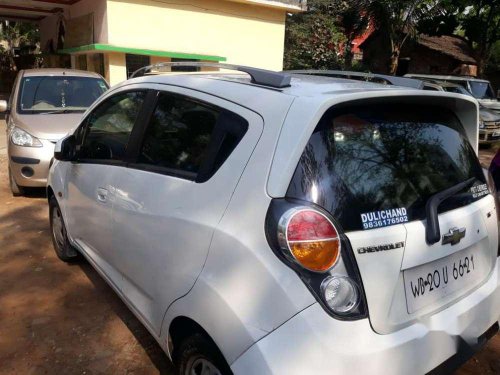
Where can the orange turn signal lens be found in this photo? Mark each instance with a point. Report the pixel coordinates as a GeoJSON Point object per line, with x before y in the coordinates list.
{"type": "Point", "coordinates": [318, 256]}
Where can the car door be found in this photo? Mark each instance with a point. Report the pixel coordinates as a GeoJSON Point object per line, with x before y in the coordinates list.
{"type": "Point", "coordinates": [102, 142]}
{"type": "Point", "coordinates": [170, 199]}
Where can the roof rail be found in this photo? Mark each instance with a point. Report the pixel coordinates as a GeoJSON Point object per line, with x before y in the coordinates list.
{"type": "Point", "coordinates": [370, 77]}
{"type": "Point", "coordinates": [258, 76]}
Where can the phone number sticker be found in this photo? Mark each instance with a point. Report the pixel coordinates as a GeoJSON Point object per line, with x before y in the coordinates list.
{"type": "Point", "coordinates": [384, 218]}
{"type": "Point", "coordinates": [479, 190]}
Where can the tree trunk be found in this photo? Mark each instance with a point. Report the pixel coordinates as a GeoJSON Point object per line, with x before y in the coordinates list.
{"type": "Point", "coordinates": [394, 61]}
{"type": "Point", "coordinates": [348, 55]}
{"type": "Point", "coordinates": [10, 54]}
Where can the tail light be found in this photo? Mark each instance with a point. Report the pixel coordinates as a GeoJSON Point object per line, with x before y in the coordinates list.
{"type": "Point", "coordinates": [307, 240]}
{"type": "Point", "coordinates": [310, 238]}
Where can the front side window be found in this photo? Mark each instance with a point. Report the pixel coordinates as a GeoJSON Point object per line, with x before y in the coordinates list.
{"type": "Point", "coordinates": [370, 158]}
{"type": "Point", "coordinates": [107, 129]}
{"type": "Point", "coordinates": [178, 135]}
{"type": "Point", "coordinates": [58, 94]}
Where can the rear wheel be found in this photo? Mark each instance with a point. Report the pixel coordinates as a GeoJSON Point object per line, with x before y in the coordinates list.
{"type": "Point", "coordinates": [14, 187]}
{"type": "Point", "coordinates": [198, 356]}
{"type": "Point", "coordinates": [64, 250]}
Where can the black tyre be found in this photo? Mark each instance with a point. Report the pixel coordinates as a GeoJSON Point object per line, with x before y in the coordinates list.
{"type": "Point", "coordinates": [62, 246]}
{"type": "Point", "coordinates": [197, 355]}
{"type": "Point", "coordinates": [14, 187]}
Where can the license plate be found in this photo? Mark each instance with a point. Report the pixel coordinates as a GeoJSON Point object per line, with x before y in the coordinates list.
{"type": "Point", "coordinates": [430, 283]}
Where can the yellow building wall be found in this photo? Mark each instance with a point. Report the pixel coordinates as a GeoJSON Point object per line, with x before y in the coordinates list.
{"type": "Point", "coordinates": [244, 34]}
{"type": "Point", "coordinates": [115, 70]}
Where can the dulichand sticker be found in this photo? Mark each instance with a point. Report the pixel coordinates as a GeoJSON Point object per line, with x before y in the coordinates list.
{"type": "Point", "coordinates": [384, 218]}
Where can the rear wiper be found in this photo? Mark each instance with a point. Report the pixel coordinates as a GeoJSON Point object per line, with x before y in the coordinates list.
{"type": "Point", "coordinates": [432, 232]}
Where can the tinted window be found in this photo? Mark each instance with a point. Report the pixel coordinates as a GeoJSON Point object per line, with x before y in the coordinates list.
{"type": "Point", "coordinates": [371, 158]}
{"type": "Point", "coordinates": [108, 127]}
{"type": "Point", "coordinates": [457, 89]}
{"type": "Point", "coordinates": [481, 90]}
{"type": "Point", "coordinates": [179, 134]}
{"type": "Point", "coordinates": [39, 94]}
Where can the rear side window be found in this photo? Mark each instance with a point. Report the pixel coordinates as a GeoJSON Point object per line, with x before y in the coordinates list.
{"type": "Point", "coordinates": [187, 138]}
{"type": "Point", "coordinates": [107, 129]}
{"type": "Point", "coordinates": [366, 159]}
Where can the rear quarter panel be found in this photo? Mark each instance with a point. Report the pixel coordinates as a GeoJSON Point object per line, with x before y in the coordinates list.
{"type": "Point", "coordinates": [244, 291]}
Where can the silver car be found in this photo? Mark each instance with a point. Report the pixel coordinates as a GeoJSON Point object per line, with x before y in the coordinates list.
{"type": "Point", "coordinates": [44, 105]}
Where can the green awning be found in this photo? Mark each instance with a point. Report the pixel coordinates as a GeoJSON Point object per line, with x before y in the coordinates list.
{"type": "Point", "coordinates": [98, 47]}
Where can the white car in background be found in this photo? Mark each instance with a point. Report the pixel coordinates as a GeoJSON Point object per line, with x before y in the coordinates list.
{"type": "Point", "coordinates": [480, 89]}
{"type": "Point", "coordinates": [271, 223]}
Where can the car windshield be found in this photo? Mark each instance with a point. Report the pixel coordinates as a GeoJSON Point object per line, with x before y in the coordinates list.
{"type": "Point", "coordinates": [481, 90]}
{"type": "Point", "coordinates": [371, 158]}
{"type": "Point", "coordinates": [58, 94]}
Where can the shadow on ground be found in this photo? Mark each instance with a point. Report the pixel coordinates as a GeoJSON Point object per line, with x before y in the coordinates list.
{"type": "Point", "coordinates": [59, 318]}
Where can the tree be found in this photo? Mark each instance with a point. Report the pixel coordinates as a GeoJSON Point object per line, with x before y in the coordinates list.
{"type": "Point", "coordinates": [481, 24]}
{"type": "Point", "coordinates": [397, 20]}
{"type": "Point", "coordinates": [312, 39]}
{"type": "Point", "coordinates": [353, 25]}
{"type": "Point", "coordinates": [477, 21]}
{"type": "Point", "coordinates": [16, 34]}
{"type": "Point", "coordinates": [323, 36]}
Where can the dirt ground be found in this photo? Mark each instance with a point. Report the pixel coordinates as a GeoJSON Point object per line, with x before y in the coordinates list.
{"type": "Point", "coordinates": [64, 319]}
{"type": "Point", "coordinates": [57, 318]}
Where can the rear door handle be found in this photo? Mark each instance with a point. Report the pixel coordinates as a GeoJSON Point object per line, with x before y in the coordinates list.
{"type": "Point", "coordinates": [102, 194]}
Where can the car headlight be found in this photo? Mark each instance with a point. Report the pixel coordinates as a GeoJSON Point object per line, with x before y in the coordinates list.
{"type": "Point", "coordinates": [481, 124]}
{"type": "Point", "coordinates": [21, 138]}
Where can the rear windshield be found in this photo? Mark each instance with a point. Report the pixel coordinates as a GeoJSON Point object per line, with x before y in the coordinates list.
{"type": "Point", "coordinates": [377, 165]}
{"type": "Point", "coordinates": [53, 94]}
{"type": "Point", "coordinates": [481, 90]}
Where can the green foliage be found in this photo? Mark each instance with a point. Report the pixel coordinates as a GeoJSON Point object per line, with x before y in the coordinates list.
{"type": "Point", "coordinates": [478, 21]}
{"type": "Point", "coordinates": [312, 40]}
{"type": "Point", "coordinates": [16, 34]}
{"type": "Point", "coordinates": [322, 37]}
{"type": "Point", "coordinates": [398, 20]}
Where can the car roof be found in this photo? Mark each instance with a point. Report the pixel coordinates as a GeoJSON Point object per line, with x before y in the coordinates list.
{"type": "Point", "coordinates": [444, 77]}
{"type": "Point", "coordinates": [301, 85]}
{"type": "Point", "coordinates": [59, 72]}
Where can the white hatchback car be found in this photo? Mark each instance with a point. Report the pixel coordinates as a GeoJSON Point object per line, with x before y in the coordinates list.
{"type": "Point", "coordinates": [286, 224]}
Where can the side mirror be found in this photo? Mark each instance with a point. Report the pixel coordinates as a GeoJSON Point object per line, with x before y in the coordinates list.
{"type": "Point", "coordinates": [65, 149]}
{"type": "Point", "coordinates": [4, 106]}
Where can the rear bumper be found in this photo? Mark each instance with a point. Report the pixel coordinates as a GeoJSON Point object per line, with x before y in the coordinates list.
{"type": "Point", "coordinates": [313, 343]}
